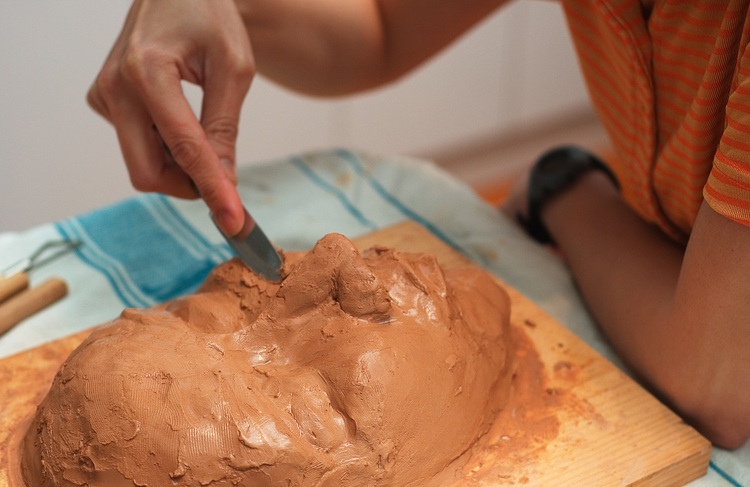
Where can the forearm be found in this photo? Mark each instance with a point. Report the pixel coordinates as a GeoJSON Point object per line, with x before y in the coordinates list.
{"type": "Point", "coordinates": [626, 270]}
{"type": "Point", "coordinates": [665, 310]}
{"type": "Point", "coordinates": [329, 47]}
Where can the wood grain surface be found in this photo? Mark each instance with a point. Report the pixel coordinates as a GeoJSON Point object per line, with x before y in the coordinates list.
{"type": "Point", "coordinates": [609, 430]}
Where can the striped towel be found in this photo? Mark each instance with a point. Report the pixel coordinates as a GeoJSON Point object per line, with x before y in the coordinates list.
{"type": "Point", "coordinates": [151, 248]}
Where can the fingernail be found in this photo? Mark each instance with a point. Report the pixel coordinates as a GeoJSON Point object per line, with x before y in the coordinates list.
{"type": "Point", "coordinates": [228, 225]}
{"type": "Point", "coordinates": [229, 169]}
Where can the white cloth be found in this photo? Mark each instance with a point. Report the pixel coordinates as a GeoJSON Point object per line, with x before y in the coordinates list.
{"type": "Point", "coordinates": [151, 248]}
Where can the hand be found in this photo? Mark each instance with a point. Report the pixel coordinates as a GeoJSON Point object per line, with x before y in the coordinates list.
{"type": "Point", "coordinates": [138, 89]}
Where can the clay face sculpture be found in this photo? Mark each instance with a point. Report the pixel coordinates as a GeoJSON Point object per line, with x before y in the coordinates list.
{"type": "Point", "coordinates": [380, 369]}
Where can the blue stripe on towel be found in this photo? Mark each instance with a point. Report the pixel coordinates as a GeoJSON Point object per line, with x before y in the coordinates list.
{"type": "Point", "coordinates": [181, 230]}
{"type": "Point", "coordinates": [354, 162]}
{"type": "Point", "coordinates": [329, 188]}
{"type": "Point", "coordinates": [144, 248]}
{"type": "Point", "coordinates": [92, 255]}
{"type": "Point", "coordinates": [723, 474]}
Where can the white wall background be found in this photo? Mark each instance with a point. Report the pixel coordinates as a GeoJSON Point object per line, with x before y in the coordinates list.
{"type": "Point", "coordinates": [58, 158]}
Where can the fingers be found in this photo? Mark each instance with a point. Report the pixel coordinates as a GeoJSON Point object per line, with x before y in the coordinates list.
{"type": "Point", "coordinates": [139, 87]}
{"type": "Point", "coordinates": [192, 150]}
{"type": "Point", "coordinates": [148, 165]}
{"type": "Point", "coordinates": [113, 96]}
{"type": "Point", "coordinates": [95, 101]}
{"type": "Point", "coordinates": [143, 96]}
{"type": "Point", "coordinates": [95, 96]}
{"type": "Point", "coordinates": [220, 114]}
{"type": "Point", "coordinates": [229, 71]}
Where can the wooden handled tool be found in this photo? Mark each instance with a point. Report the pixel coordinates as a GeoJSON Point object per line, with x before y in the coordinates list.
{"type": "Point", "coordinates": [19, 302]}
{"type": "Point", "coordinates": [12, 285]}
{"type": "Point", "coordinates": [29, 301]}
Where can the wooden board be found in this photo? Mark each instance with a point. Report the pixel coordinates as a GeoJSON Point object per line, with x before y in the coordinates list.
{"type": "Point", "coordinates": [611, 431]}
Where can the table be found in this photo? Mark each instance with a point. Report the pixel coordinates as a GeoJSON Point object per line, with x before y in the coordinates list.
{"type": "Point", "coordinates": [150, 248]}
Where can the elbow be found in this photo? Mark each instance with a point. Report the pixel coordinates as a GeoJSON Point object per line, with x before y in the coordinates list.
{"type": "Point", "coordinates": [730, 441]}
{"type": "Point", "coordinates": [711, 392]}
{"type": "Point", "coordinates": [722, 428]}
{"type": "Point", "coordinates": [723, 417]}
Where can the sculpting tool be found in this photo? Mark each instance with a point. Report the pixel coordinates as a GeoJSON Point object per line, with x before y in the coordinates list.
{"type": "Point", "coordinates": [14, 279]}
{"type": "Point", "coordinates": [251, 245]}
{"type": "Point", "coordinates": [255, 250]}
{"type": "Point", "coordinates": [30, 301]}
{"type": "Point", "coordinates": [20, 302]}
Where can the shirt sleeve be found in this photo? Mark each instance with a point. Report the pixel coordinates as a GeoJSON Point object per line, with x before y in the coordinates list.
{"type": "Point", "coordinates": [727, 190]}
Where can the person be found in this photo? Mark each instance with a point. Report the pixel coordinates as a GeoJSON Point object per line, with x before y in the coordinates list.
{"type": "Point", "coordinates": [662, 258]}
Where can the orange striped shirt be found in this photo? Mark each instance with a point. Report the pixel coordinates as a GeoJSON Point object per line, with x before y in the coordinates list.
{"type": "Point", "coordinates": [670, 81]}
